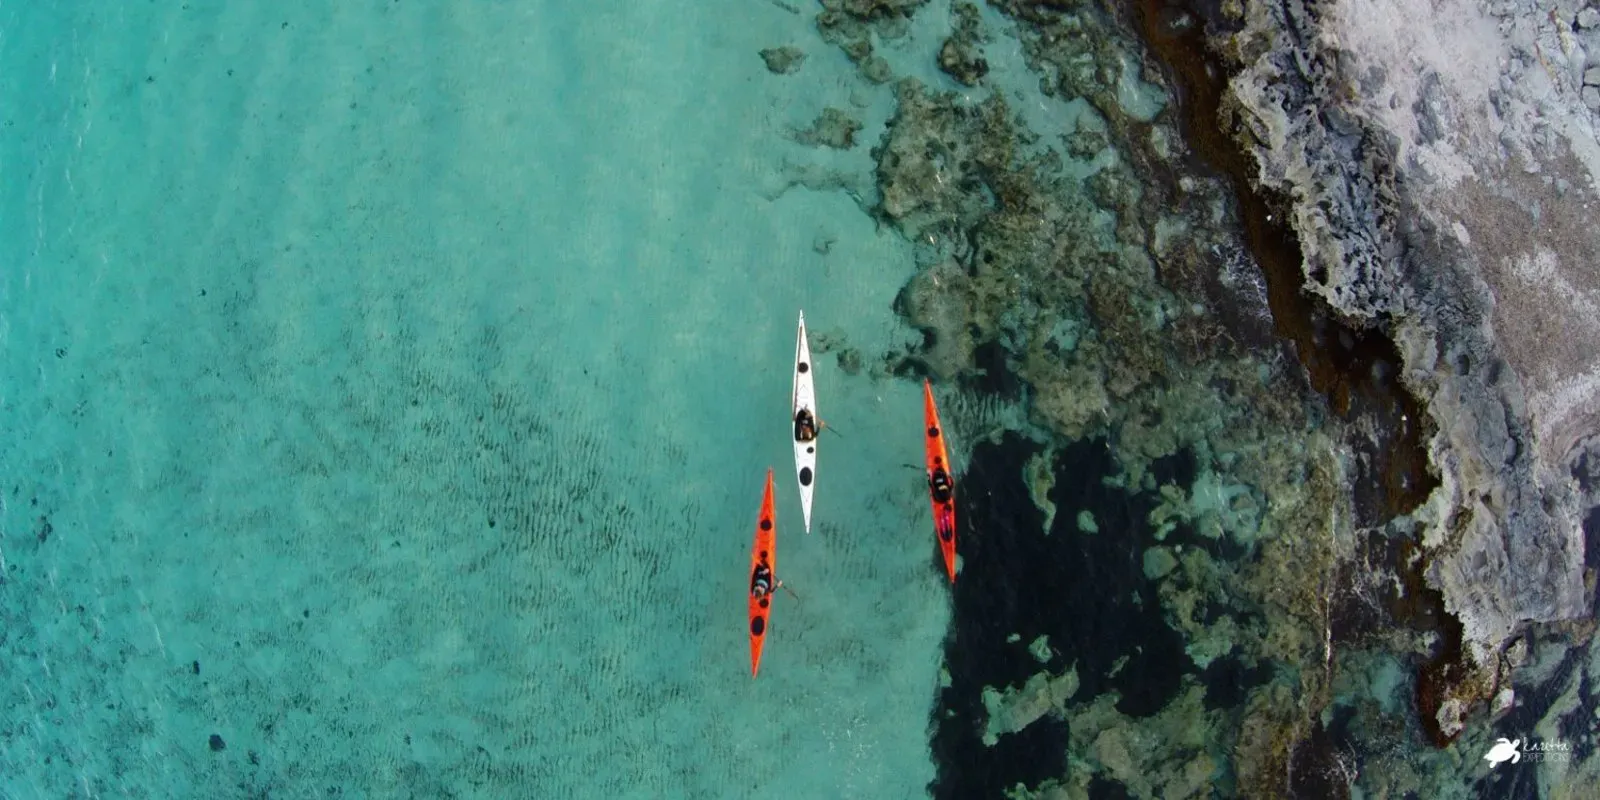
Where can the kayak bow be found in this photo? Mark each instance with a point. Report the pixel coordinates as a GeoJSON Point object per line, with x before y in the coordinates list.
{"type": "Point", "coordinates": [941, 484]}
{"type": "Point", "coordinates": [763, 558]}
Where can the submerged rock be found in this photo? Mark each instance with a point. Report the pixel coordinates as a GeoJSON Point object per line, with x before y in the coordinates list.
{"type": "Point", "coordinates": [873, 10]}
{"type": "Point", "coordinates": [783, 60]}
{"type": "Point", "coordinates": [961, 57]}
{"type": "Point", "coordinates": [832, 128]}
{"type": "Point", "coordinates": [938, 302]}
{"type": "Point", "coordinates": [851, 25]}
{"type": "Point", "coordinates": [1011, 710]}
{"type": "Point", "coordinates": [933, 162]}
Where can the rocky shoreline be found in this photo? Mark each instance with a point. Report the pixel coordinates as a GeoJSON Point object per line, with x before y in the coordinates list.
{"type": "Point", "coordinates": [1437, 174]}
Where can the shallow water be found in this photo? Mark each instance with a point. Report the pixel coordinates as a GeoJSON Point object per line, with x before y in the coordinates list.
{"type": "Point", "coordinates": [396, 384]}
{"type": "Point", "coordinates": [387, 392]}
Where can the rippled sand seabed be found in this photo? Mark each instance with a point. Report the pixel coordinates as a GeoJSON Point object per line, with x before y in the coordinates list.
{"type": "Point", "coordinates": [387, 390]}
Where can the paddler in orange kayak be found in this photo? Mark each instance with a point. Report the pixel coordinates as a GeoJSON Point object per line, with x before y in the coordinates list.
{"type": "Point", "coordinates": [763, 559]}
{"type": "Point", "coordinates": [941, 486]}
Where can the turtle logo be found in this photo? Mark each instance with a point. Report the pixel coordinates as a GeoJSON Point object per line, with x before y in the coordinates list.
{"type": "Point", "coordinates": [1505, 751]}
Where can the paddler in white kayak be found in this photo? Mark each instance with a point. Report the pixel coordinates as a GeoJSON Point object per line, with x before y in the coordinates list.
{"type": "Point", "coordinates": [806, 422]}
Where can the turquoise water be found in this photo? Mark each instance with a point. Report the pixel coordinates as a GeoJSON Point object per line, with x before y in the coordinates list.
{"type": "Point", "coordinates": [387, 389]}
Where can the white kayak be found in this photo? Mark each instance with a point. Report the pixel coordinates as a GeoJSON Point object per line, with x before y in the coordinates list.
{"type": "Point", "coordinates": [804, 423]}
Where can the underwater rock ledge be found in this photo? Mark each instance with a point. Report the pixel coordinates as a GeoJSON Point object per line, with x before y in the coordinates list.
{"type": "Point", "coordinates": [1439, 199]}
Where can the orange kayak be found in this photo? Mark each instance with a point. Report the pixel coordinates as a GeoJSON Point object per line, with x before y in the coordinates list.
{"type": "Point", "coordinates": [763, 559]}
{"type": "Point", "coordinates": [941, 484]}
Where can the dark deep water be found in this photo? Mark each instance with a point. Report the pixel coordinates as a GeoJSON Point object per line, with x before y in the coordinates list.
{"type": "Point", "coordinates": [1086, 592]}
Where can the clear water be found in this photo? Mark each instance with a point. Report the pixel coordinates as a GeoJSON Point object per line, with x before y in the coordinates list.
{"type": "Point", "coordinates": [387, 390]}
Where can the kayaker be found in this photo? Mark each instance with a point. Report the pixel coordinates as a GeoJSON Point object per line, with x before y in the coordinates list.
{"type": "Point", "coordinates": [805, 426]}
{"type": "Point", "coordinates": [761, 585]}
{"type": "Point", "coordinates": [939, 484]}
